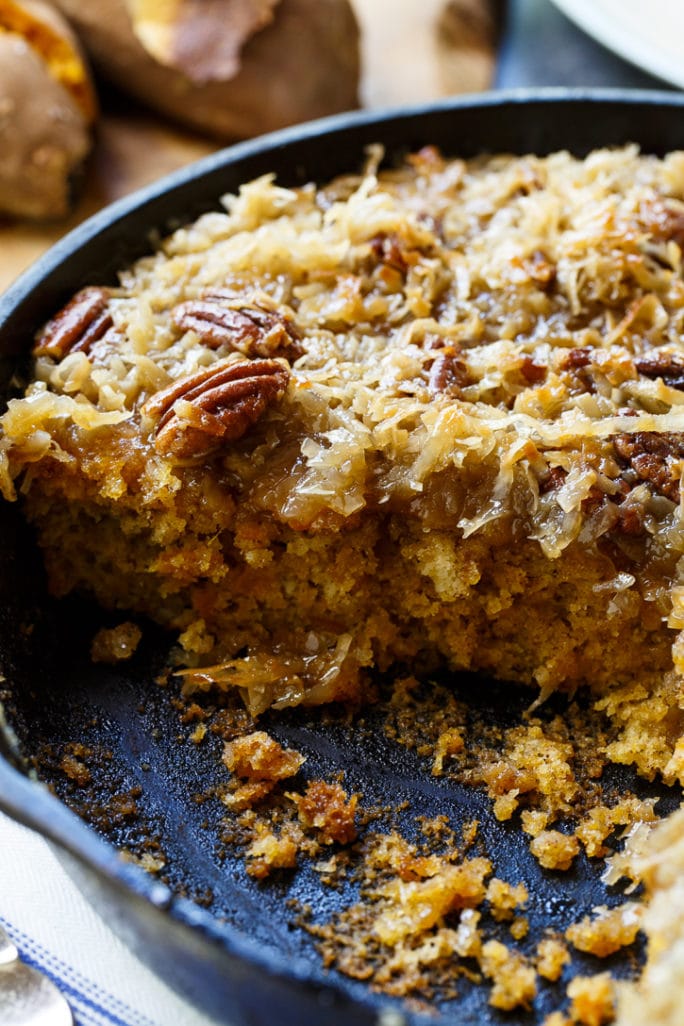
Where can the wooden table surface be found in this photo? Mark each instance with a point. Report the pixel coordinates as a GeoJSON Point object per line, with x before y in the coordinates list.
{"type": "Point", "coordinates": [406, 59]}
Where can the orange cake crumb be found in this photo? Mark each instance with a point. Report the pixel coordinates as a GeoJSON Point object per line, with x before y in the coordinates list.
{"type": "Point", "coordinates": [415, 906]}
{"type": "Point", "coordinates": [556, 1019]}
{"type": "Point", "coordinates": [513, 979]}
{"type": "Point", "coordinates": [114, 644]}
{"type": "Point", "coordinates": [555, 850]}
{"type": "Point", "coordinates": [270, 851]}
{"type": "Point", "coordinates": [608, 930]}
{"type": "Point", "coordinates": [592, 999]}
{"type": "Point", "coordinates": [260, 762]}
{"type": "Point", "coordinates": [450, 742]}
{"type": "Point", "coordinates": [602, 820]}
{"type": "Point", "coordinates": [328, 809]}
{"type": "Point", "coordinates": [505, 898]}
{"type": "Point", "coordinates": [552, 957]}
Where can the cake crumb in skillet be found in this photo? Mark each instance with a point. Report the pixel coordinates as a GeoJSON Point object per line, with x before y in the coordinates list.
{"type": "Point", "coordinates": [115, 644]}
{"type": "Point", "coordinates": [592, 999]}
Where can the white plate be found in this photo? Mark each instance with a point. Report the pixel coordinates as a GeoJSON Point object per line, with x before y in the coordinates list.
{"type": "Point", "coordinates": [649, 33]}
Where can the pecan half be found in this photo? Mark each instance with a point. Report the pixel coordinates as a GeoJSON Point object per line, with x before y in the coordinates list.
{"type": "Point", "coordinates": [79, 324]}
{"type": "Point", "coordinates": [651, 457]}
{"type": "Point", "coordinates": [553, 479]}
{"type": "Point", "coordinates": [449, 372]}
{"type": "Point", "coordinates": [532, 372]}
{"type": "Point", "coordinates": [667, 366]}
{"type": "Point", "coordinates": [540, 268]}
{"type": "Point", "coordinates": [537, 267]}
{"type": "Point", "coordinates": [213, 406]}
{"type": "Point", "coordinates": [594, 500]}
{"type": "Point", "coordinates": [575, 359]}
{"type": "Point", "coordinates": [631, 520]}
{"type": "Point", "coordinates": [628, 519]}
{"type": "Point", "coordinates": [387, 249]}
{"type": "Point", "coordinates": [665, 222]}
{"type": "Point", "coordinates": [578, 365]}
{"type": "Point", "coordinates": [218, 318]}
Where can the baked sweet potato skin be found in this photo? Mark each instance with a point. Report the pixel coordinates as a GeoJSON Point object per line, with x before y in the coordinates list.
{"type": "Point", "coordinates": [47, 105]}
{"type": "Point", "coordinates": [201, 38]}
{"type": "Point", "coordinates": [302, 65]}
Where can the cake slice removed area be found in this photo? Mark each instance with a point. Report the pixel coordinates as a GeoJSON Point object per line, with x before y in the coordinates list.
{"type": "Point", "coordinates": [422, 417]}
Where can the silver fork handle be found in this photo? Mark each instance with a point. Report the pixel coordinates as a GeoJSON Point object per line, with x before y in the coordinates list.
{"type": "Point", "coordinates": [27, 996]}
{"type": "Point", "coordinates": [8, 952]}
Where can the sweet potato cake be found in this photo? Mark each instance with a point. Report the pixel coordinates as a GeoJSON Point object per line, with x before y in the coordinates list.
{"type": "Point", "coordinates": [425, 416]}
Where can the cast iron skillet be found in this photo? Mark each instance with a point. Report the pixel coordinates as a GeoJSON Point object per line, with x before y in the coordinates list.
{"type": "Point", "coordinates": [235, 951]}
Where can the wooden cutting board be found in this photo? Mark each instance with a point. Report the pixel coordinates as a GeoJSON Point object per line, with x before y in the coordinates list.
{"type": "Point", "coordinates": [412, 50]}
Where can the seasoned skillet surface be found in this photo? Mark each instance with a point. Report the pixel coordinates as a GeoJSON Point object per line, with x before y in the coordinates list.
{"type": "Point", "coordinates": [145, 775]}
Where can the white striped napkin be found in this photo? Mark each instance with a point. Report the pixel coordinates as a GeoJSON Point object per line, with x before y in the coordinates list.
{"type": "Point", "coordinates": [57, 931]}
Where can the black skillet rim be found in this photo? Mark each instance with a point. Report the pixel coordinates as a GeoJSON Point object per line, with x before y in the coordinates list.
{"type": "Point", "coordinates": [30, 802]}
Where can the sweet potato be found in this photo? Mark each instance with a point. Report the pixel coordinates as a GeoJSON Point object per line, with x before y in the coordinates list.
{"type": "Point", "coordinates": [47, 107]}
{"type": "Point", "coordinates": [270, 63]}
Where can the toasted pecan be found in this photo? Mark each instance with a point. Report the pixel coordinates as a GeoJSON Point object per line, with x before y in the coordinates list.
{"type": "Point", "coordinates": [540, 268]}
{"type": "Point", "coordinates": [576, 359]}
{"type": "Point", "coordinates": [665, 222]}
{"type": "Point", "coordinates": [84, 320]}
{"type": "Point", "coordinates": [631, 520]}
{"type": "Point", "coordinates": [216, 405]}
{"type": "Point", "coordinates": [668, 366]}
{"type": "Point", "coordinates": [532, 372]}
{"type": "Point", "coordinates": [449, 372]}
{"type": "Point", "coordinates": [387, 249]}
{"type": "Point", "coordinates": [577, 363]}
{"type": "Point", "coordinates": [553, 479]}
{"type": "Point", "coordinates": [218, 318]}
{"type": "Point", "coordinates": [651, 455]}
